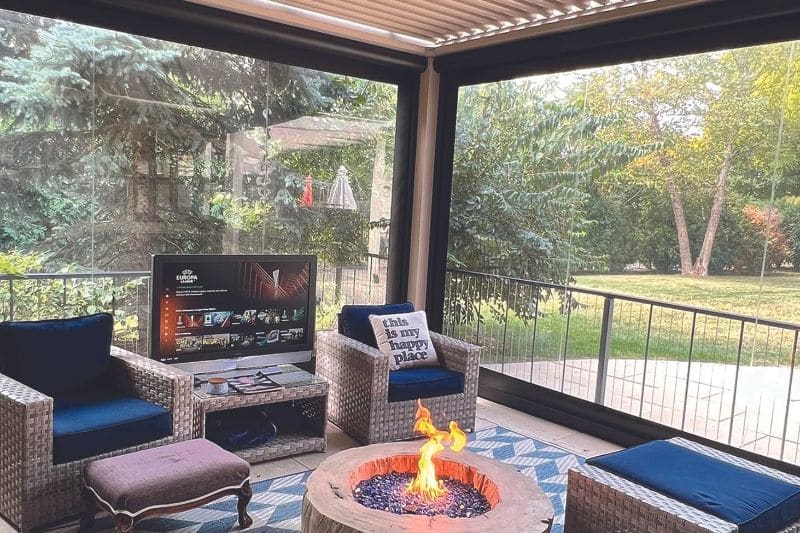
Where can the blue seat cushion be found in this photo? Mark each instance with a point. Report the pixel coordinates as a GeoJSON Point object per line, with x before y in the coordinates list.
{"type": "Point", "coordinates": [90, 424]}
{"type": "Point", "coordinates": [424, 382]}
{"type": "Point", "coordinates": [755, 502]}
{"type": "Point", "coordinates": [354, 320]}
{"type": "Point", "coordinates": [57, 357]}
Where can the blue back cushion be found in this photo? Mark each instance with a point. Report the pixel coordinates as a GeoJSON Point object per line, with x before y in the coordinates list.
{"type": "Point", "coordinates": [57, 357]}
{"type": "Point", "coordinates": [354, 320]}
{"type": "Point", "coordinates": [753, 501]}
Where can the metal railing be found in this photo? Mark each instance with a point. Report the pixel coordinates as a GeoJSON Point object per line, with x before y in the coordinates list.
{"type": "Point", "coordinates": [125, 294]}
{"type": "Point", "coordinates": [725, 376]}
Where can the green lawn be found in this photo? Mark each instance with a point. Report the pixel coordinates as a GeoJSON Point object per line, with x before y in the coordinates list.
{"type": "Point", "coordinates": [716, 339]}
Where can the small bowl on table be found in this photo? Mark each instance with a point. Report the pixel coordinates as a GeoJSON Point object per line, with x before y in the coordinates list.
{"type": "Point", "coordinates": [218, 386]}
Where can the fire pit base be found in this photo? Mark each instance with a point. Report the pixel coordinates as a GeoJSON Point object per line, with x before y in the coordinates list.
{"type": "Point", "coordinates": [518, 504]}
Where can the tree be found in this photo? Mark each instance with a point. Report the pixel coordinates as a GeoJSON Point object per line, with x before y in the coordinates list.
{"type": "Point", "coordinates": [710, 116]}
{"type": "Point", "coordinates": [524, 167]}
{"type": "Point", "coordinates": [112, 145]}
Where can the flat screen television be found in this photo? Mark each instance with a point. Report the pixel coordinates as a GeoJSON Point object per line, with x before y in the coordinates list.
{"type": "Point", "coordinates": [218, 313]}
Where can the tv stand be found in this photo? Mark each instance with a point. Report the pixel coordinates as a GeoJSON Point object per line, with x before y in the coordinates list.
{"type": "Point", "coordinates": [304, 395]}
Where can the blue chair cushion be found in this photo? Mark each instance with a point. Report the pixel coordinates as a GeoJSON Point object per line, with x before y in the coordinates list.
{"type": "Point", "coordinates": [57, 356]}
{"type": "Point", "coordinates": [91, 424]}
{"type": "Point", "coordinates": [755, 502]}
{"type": "Point", "coordinates": [354, 320]}
{"type": "Point", "coordinates": [424, 382]}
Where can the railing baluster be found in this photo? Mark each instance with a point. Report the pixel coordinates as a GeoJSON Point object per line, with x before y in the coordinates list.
{"type": "Point", "coordinates": [646, 353]}
{"type": "Point", "coordinates": [480, 311]}
{"type": "Point", "coordinates": [11, 298]}
{"type": "Point", "coordinates": [505, 326]}
{"type": "Point", "coordinates": [688, 370]}
{"type": "Point", "coordinates": [605, 350]}
{"type": "Point", "coordinates": [452, 283]}
{"type": "Point", "coordinates": [535, 323]}
{"type": "Point", "coordinates": [113, 296]}
{"type": "Point", "coordinates": [355, 273]}
{"type": "Point", "coordinates": [736, 380]}
{"type": "Point", "coordinates": [789, 394]}
{"type": "Point", "coordinates": [568, 295]}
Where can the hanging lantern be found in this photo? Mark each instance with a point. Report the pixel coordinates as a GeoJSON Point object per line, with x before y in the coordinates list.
{"type": "Point", "coordinates": [307, 200]}
{"type": "Point", "coordinates": [341, 194]}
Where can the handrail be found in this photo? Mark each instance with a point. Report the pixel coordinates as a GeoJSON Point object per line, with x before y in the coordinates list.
{"type": "Point", "coordinates": [76, 275]}
{"type": "Point", "coordinates": [637, 299]}
{"type": "Point", "coordinates": [102, 274]}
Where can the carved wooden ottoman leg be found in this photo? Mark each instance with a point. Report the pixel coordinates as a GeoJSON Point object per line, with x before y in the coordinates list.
{"type": "Point", "coordinates": [123, 523]}
{"type": "Point", "coordinates": [89, 510]}
{"type": "Point", "coordinates": [245, 494]}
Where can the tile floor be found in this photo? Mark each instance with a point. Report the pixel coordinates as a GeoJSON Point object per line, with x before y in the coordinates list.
{"type": "Point", "coordinates": [489, 414]}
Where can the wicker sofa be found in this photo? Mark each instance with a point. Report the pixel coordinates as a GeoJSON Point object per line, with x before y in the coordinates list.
{"type": "Point", "coordinates": [34, 490]}
{"type": "Point", "coordinates": [603, 502]}
{"type": "Point", "coordinates": [359, 388]}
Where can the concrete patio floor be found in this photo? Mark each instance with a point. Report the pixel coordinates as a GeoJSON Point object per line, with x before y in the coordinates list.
{"type": "Point", "coordinates": [489, 414]}
{"type": "Point", "coordinates": [745, 408]}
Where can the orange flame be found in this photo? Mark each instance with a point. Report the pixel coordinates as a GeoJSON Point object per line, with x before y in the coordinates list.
{"type": "Point", "coordinates": [426, 484]}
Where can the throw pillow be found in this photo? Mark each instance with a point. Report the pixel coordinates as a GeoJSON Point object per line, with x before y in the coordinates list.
{"type": "Point", "coordinates": [354, 320]}
{"type": "Point", "coordinates": [58, 357]}
{"type": "Point", "coordinates": [405, 339]}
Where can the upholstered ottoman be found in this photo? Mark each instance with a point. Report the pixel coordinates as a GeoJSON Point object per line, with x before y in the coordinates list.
{"type": "Point", "coordinates": [164, 480]}
{"type": "Point", "coordinates": [680, 486]}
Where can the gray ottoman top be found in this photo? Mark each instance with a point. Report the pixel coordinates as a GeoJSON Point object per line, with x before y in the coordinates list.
{"type": "Point", "coordinates": [169, 475]}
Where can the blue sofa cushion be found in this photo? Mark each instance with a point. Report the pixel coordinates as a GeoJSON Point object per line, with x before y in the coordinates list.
{"type": "Point", "coordinates": [88, 425]}
{"type": "Point", "coordinates": [354, 320]}
{"type": "Point", "coordinates": [753, 501]}
{"type": "Point", "coordinates": [57, 356]}
{"type": "Point", "coordinates": [424, 382]}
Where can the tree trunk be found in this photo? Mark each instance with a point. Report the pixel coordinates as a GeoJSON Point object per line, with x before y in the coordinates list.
{"type": "Point", "coordinates": [684, 246]}
{"type": "Point", "coordinates": [704, 258]}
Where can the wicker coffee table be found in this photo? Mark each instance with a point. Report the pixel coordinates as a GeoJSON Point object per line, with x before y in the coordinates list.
{"type": "Point", "coordinates": [307, 399]}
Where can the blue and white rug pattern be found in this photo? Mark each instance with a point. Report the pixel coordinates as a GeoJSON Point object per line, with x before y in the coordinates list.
{"type": "Point", "coordinates": [276, 503]}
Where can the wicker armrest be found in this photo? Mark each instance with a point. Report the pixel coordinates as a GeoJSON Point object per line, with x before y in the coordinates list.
{"type": "Point", "coordinates": [354, 356]}
{"type": "Point", "coordinates": [457, 354]}
{"type": "Point", "coordinates": [158, 383]}
{"type": "Point", "coordinates": [26, 428]}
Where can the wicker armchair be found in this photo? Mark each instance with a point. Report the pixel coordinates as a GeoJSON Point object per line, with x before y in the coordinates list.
{"type": "Point", "coordinates": [359, 386]}
{"type": "Point", "coordinates": [34, 490]}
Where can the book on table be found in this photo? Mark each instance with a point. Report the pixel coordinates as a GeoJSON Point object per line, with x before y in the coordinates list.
{"type": "Point", "coordinates": [253, 384]}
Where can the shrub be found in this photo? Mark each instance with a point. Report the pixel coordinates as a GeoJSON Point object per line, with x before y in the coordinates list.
{"type": "Point", "coordinates": [790, 225]}
{"type": "Point", "coordinates": [761, 223]}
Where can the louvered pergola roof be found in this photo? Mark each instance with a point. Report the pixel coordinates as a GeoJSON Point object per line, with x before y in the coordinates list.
{"type": "Point", "coordinates": [436, 27]}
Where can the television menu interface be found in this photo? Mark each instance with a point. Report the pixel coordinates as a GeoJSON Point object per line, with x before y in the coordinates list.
{"type": "Point", "coordinates": [231, 309]}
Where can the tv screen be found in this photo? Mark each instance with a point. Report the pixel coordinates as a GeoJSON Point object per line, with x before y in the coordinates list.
{"type": "Point", "coordinates": [222, 306]}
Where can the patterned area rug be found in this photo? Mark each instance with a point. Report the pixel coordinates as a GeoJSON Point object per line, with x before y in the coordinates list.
{"type": "Point", "coordinates": [276, 503]}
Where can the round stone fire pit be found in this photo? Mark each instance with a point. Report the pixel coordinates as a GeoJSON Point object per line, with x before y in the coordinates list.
{"type": "Point", "coordinates": [329, 504]}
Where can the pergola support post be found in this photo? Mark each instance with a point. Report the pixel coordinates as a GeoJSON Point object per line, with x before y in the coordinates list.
{"type": "Point", "coordinates": [423, 186]}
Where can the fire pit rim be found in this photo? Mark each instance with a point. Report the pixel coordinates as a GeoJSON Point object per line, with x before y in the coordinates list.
{"type": "Point", "coordinates": [521, 499]}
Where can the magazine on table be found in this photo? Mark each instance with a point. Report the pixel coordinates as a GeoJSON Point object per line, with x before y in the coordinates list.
{"type": "Point", "coordinates": [253, 384]}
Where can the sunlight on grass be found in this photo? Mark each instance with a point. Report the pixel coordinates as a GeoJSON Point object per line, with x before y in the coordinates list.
{"type": "Point", "coordinates": [508, 338]}
{"type": "Point", "coordinates": [780, 299]}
